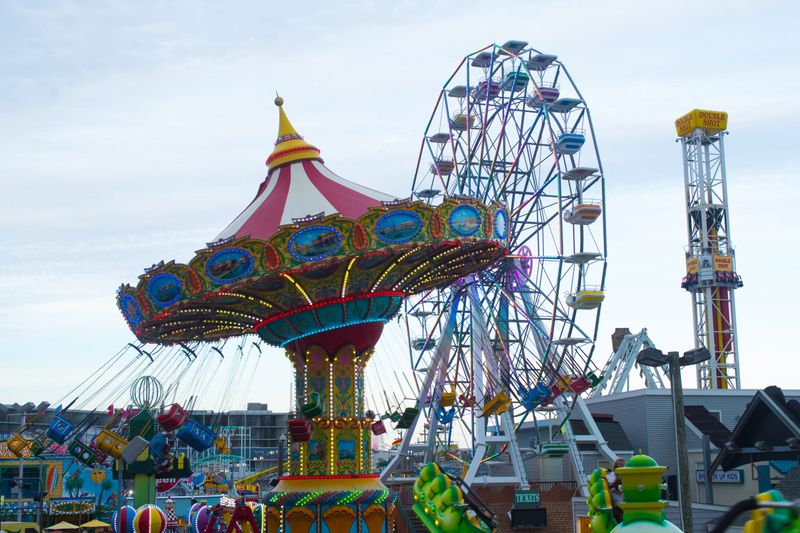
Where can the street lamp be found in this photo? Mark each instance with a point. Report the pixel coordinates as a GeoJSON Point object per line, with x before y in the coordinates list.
{"type": "Point", "coordinates": [654, 357]}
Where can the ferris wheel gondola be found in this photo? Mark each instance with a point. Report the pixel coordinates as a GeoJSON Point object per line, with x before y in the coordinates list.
{"type": "Point", "coordinates": [510, 126]}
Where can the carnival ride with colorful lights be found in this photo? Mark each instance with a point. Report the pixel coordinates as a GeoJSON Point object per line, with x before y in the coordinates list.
{"type": "Point", "coordinates": [321, 287]}
{"type": "Point", "coordinates": [509, 126]}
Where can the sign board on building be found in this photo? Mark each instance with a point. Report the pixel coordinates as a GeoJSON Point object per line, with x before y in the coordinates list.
{"type": "Point", "coordinates": [731, 476]}
{"type": "Point", "coordinates": [526, 498]}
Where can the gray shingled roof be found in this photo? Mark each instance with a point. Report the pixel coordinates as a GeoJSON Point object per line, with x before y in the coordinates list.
{"type": "Point", "coordinates": [708, 424]}
{"type": "Point", "coordinates": [611, 430]}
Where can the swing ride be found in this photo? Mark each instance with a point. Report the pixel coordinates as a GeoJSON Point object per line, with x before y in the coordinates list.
{"type": "Point", "coordinates": [321, 287]}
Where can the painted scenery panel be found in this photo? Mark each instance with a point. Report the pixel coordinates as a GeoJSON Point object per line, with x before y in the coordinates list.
{"type": "Point", "coordinates": [164, 289]}
{"type": "Point", "coordinates": [398, 226]}
{"type": "Point", "coordinates": [315, 242]}
{"type": "Point", "coordinates": [465, 220]}
{"type": "Point", "coordinates": [229, 265]}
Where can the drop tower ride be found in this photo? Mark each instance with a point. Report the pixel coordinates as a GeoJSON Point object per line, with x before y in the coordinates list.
{"type": "Point", "coordinates": [711, 276]}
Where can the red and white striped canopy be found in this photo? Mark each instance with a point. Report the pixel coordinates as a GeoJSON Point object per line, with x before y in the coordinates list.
{"type": "Point", "coordinates": [298, 185]}
{"type": "Point", "coordinates": [297, 190]}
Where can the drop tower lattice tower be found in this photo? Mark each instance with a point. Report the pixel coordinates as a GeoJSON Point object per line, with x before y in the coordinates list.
{"type": "Point", "coordinates": [711, 276]}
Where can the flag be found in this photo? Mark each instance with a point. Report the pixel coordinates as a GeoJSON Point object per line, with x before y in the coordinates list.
{"type": "Point", "coordinates": [396, 443]}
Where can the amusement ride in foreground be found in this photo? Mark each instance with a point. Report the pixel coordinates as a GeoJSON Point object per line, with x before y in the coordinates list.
{"type": "Point", "coordinates": [316, 265]}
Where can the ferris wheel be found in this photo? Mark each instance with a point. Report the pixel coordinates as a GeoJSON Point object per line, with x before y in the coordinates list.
{"type": "Point", "coordinates": [510, 126]}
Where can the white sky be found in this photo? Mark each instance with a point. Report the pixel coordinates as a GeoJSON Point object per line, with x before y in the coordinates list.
{"type": "Point", "coordinates": [134, 131]}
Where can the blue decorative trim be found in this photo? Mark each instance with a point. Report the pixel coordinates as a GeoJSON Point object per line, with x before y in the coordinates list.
{"type": "Point", "coordinates": [126, 300]}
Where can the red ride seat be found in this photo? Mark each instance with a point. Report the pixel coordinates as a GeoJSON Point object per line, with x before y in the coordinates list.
{"type": "Point", "coordinates": [300, 429]}
{"type": "Point", "coordinates": [173, 418]}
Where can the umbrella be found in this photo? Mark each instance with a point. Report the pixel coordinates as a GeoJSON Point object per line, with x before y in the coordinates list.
{"type": "Point", "coordinates": [62, 526]}
{"type": "Point", "coordinates": [95, 523]}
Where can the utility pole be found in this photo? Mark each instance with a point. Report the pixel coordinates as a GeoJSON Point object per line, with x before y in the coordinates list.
{"type": "Point", "coordinates": [680, 441]}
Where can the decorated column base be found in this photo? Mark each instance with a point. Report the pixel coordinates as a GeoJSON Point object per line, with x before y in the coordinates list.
{"type": "Point", "coordinates": [335, 504]}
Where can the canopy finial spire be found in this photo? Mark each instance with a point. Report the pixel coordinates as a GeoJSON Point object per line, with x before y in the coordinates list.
{"type": "Point", "coordinates": [290, 146]}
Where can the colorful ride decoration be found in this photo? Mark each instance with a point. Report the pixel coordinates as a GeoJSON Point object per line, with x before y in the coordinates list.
{"type": "Point", "coordinates": [196, 506]}
{"type": "Point", "coordinates": [772, 519]}
{"type": "Point", "coordinates": [170, 517]}
{"type": "Point", "coordinates": [440, 504]}
{"type": "Point", "coordinates": [122, 519]}
{"type": "Point", "coordinates": [321, 286]}
{"type": "Point", "coordinates": [642, 508]}
{"type": "Point", "coordinates": [600, 503]}
{"type": "Point", "coordinates": [149, 519]}
{"type": "Point", "coordinates": [201, 519]}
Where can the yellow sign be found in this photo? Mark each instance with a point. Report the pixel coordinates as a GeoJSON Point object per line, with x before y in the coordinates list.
{"type": "Point", "coordinates": [709, 121]}
{"type": "Point", "coordinates": [692, 265]}
{"type": "Point", "coordinates": [723, 263]}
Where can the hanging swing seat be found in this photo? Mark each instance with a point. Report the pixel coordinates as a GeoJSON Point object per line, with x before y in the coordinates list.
{"type": "Point", "coordinates": [443, 167]}
{"type": "Point", "coordinates": [486, 89]}
{"type": "Point", "coordinates": [532, 398]}
{"type": "Point", "coordinates": [314, 407]}
{"type": "Point", "coordinates": [221, 445]}
{"type": "Point", "coordinates": [467, 401]}
{"type": "Point", "coordinates": [584, 213]}
{"type": "Point", "coordinates": [516, 81]}
{"type": "Point", "coordinates": [462, 122]}
{"type": "Point", "coordinates": [407, 418]}
{"type": "Point", "coordinates": [445, 416]}
{"type": "Point", "coordinates": [39, 444]}
{"type": "Point", "coordinates": [448, 398]}
{"type": "Point", "coordinates": [555, 450]}
{"type": "Point", "coordinates": [586, 299]}
{"type": "Point", "coordinates": [393, 416]}
{"type": "Point", "coordinates": [594, 379]}
{"type": "Point", "coordinates": [18, 445]}
{"type": "Point", "coordinates": [196, 435]}
{"type": "Point", "coordinates": [300, 429]}
{"type": "Point", "coordinates": [134, 448]}
{"type": "Point", "coordinates": [110, 443]}
{"type": "Point", "coordinates": [378, 428]}
{"type": "Point", "coordinates": [173, 418]}
{"type": "Point", "coordinates": [59, 429]}
{"type": "Point", "coordinates": [580, 384]}
{"type": "Point", "coordinates": [542, 96]}
{"type": "Point", "coordinates": [82, 453]}
{"type": "Point", "coordinates": [497, 404]}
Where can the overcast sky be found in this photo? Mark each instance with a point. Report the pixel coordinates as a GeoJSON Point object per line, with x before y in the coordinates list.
{"type": "Point", "coordinates": [135, 131]}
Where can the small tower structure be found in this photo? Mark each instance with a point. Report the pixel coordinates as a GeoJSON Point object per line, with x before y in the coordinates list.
{"type": "Point", "coordinates": [711, 276]}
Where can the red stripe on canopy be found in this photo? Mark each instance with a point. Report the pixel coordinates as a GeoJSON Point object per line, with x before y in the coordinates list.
{"type": "Point", "coordinates": [267, 217]}
{"type": "Point", "coordinates": [347, 201]}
